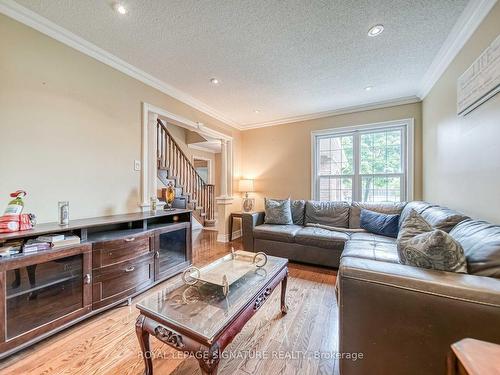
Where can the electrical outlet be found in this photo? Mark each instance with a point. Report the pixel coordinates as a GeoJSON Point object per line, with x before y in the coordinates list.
{"type": "Point", "coordinates": [137, 165]}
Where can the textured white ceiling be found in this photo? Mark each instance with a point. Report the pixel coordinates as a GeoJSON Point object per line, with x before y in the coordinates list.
{"type": "Point", "coordinates": [285, 58]}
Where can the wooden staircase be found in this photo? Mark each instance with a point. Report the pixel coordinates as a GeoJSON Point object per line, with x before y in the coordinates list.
{"type": "Point", "coordinates": [191, 191]}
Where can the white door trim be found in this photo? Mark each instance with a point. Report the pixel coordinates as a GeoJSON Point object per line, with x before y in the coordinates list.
{"type": "Point", "coordinates": [150, 114]}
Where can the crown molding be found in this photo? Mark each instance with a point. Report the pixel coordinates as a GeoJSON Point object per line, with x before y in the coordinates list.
{"type": "Point", "coordinates": [472, 16]}
{"type": "Point", "coordinates": [468, 22]}
{"type": "Point", "coordinates": [336, 112]}
{"type": "Point", "coordinates": [185, 123]}
{"type": "Point", "coordinates": [13, 10]}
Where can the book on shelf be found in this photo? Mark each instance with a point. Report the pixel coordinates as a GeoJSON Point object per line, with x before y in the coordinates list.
{"type": "Point", "coordinates": [32, 246]}
{"type": "Point", "coordinates": [10, 248]}
{"type": "Point", "coordinates": [51, 238]}
{"type": "Point", "coordinates": [68, 240]}
{"type": "Point", "coordinates": [51, 241]}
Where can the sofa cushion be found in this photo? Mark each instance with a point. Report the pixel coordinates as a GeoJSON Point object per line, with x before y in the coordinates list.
{"type": "Point", "coordinates": [333, 214]}
{"type": "Point", "coordinates": [481, 243]}
{"type": "Point", "coordinates": [372, 237]}
{"type": "Point", "coordinates": [418, 206]}
{"type": "Point", "coordinates": [420, 245]}
{"type": "Point", "coordinates": [278, 211]}
{"type": "Point", "coordinates": [374, 250]}
{"type": "Point", "coordinates": [378, 223]}
{"type": "Point", "coordinates": [298, 211]}
{"type": "Point", "coordinates": [319, 237]}
{"type": "Point", "coordinates": [274, 232]}
{"type": "Point", "coordinates": [383, 208]}
{"type": "Point", "coordinates": [443, 218]}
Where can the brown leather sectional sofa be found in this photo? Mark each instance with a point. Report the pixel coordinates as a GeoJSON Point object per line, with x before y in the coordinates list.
{"type": "Point", "coordinates": [403, 319]}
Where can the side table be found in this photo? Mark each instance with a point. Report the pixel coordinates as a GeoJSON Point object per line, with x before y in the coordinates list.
{"type": "Point", "coordinates": [231, 219]}
{"type": "Point", "coordinates": [473, 357]}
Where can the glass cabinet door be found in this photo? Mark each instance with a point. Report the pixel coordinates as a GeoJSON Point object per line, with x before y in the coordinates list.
{"type": "Point", "coordinates": [40, 293]}
{"type": "Point", "coordinates": [171, 250]}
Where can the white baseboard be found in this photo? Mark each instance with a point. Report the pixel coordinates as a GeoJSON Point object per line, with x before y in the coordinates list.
{"type": "Point", "coordinates": [225, 237]}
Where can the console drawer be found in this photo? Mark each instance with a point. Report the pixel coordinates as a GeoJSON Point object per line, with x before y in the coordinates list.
{"type": "Point", "coordinates": [106, 253]}
{"type": "Point", "coordinates": [121, 280]}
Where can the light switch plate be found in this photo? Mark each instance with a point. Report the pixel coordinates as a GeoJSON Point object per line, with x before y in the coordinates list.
{"type": "Point", "coordinates": [137, 165]}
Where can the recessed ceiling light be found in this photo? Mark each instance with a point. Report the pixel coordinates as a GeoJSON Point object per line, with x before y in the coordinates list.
{"type": "Point", "coordinates": [120, 8]}
{"type": "Point", "coordinates": [214, 81]}
{"type": "Point", "coordinates": [376, 30]}
{"type": "Point", "coordinates": [368, 88]}
{"type": "Point", "coordinates": [256, 111]}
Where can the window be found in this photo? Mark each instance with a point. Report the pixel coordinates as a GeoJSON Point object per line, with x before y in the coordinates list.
{"type": "Point", "coordinates": [368, 163]}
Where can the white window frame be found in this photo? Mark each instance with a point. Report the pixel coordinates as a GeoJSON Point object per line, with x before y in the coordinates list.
{"type": "Point", "coordinates": [408, 153]}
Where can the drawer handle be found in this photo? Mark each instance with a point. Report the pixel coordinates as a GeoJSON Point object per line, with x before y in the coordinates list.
{"type": "Point", "coordinates": [130, 239]}
{"type": "Point", "coordinates": [129, 269]}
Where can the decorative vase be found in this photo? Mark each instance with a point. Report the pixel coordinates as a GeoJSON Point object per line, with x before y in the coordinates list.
{"type": "Point", "coordinates": [63, 207]}
{"type": "Point", "coordinates": [248, 204]}
{"type": "Point", "coordinates": [170, 196]}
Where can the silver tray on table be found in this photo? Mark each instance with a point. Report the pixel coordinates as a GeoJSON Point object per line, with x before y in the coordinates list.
{"type": "Point", "coordinates": [226, 270]}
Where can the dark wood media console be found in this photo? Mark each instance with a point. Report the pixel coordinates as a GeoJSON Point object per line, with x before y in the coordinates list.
{"type": "Point", "coordinates": [119, 257]}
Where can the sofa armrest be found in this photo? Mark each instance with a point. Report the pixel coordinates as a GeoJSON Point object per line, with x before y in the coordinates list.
{"type": "Point", "coordinates": [248, 222]}
{"type": "Point", "coordinates": [404, 319]}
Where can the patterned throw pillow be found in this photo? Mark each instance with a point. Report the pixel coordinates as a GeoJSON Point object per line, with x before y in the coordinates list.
{"type": "Point", "coordinates": [298, 211]}
{"type": "Point", "coordinates": [278, 211]}
{"type": "Point", "coordinates": [420, 245]}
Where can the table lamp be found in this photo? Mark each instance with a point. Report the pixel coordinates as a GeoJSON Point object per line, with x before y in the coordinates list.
{"type": "Point", "coordinates": [246, 186]}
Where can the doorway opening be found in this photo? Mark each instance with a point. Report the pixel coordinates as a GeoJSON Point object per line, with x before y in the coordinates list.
{"type": "Point", "coordinates": [204, 168]}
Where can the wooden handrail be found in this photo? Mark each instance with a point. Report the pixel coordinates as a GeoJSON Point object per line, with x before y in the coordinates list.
{"type": "Point", "coordinates": [171, 156]}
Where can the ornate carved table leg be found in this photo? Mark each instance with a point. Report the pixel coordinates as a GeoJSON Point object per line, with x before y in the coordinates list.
{"type": "Point", "coordinates": [284, 307]}
{"type": "Point", "coordinates": [143, 337]}
{"type": "Point", "coordinates": [209, 360]}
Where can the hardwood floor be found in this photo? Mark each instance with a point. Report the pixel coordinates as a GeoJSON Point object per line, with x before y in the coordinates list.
{"type": "Point", "coordinates": [301, 342]}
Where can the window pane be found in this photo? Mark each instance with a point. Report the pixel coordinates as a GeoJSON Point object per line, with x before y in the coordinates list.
{"type": "Point", "coordinates": [393, 159]}
{"type": "Point", "coordinates": [335, 188]}
{"type": "Point", "coordinates": [336, 156]}
{"type": "Point", "coordinates": [324, 162]}
{"type": "Point", "coordinates": [381, 152]}
{"type": "Point", "coordinates": [380, 189]}
{"type": "Point", "coordinates": [324, 144]}
{"type": "Point", "coordinates": [348, 161]}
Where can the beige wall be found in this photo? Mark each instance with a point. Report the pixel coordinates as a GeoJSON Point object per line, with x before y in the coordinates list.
{"type": "Point", "coordinates": [462, 154]}
{"type": "Point", "coordinates": [70, 127]}
{"type": "Point", "coordinates": [279, 157]}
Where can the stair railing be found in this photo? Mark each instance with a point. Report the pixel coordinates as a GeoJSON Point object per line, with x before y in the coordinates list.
{"type": "Point", "coordinates": [171, 156]}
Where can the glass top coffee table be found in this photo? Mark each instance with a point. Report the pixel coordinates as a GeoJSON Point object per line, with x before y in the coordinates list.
{"type": "Point", "coordinates": [203, 312]}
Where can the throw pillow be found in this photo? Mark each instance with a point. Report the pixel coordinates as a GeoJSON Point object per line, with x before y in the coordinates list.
{"type": "Point", "coordinates": [420, 245]}
{"type": "Point", "coordinates": [378, 223]}
{"type": "Point", "coordinates": [278, 211]}
{"type": "Point", "coordinates": [298, 211]}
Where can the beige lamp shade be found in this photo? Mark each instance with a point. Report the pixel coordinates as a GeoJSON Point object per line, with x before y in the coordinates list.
{"type": "Point", "coordinates": [246, 185]}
